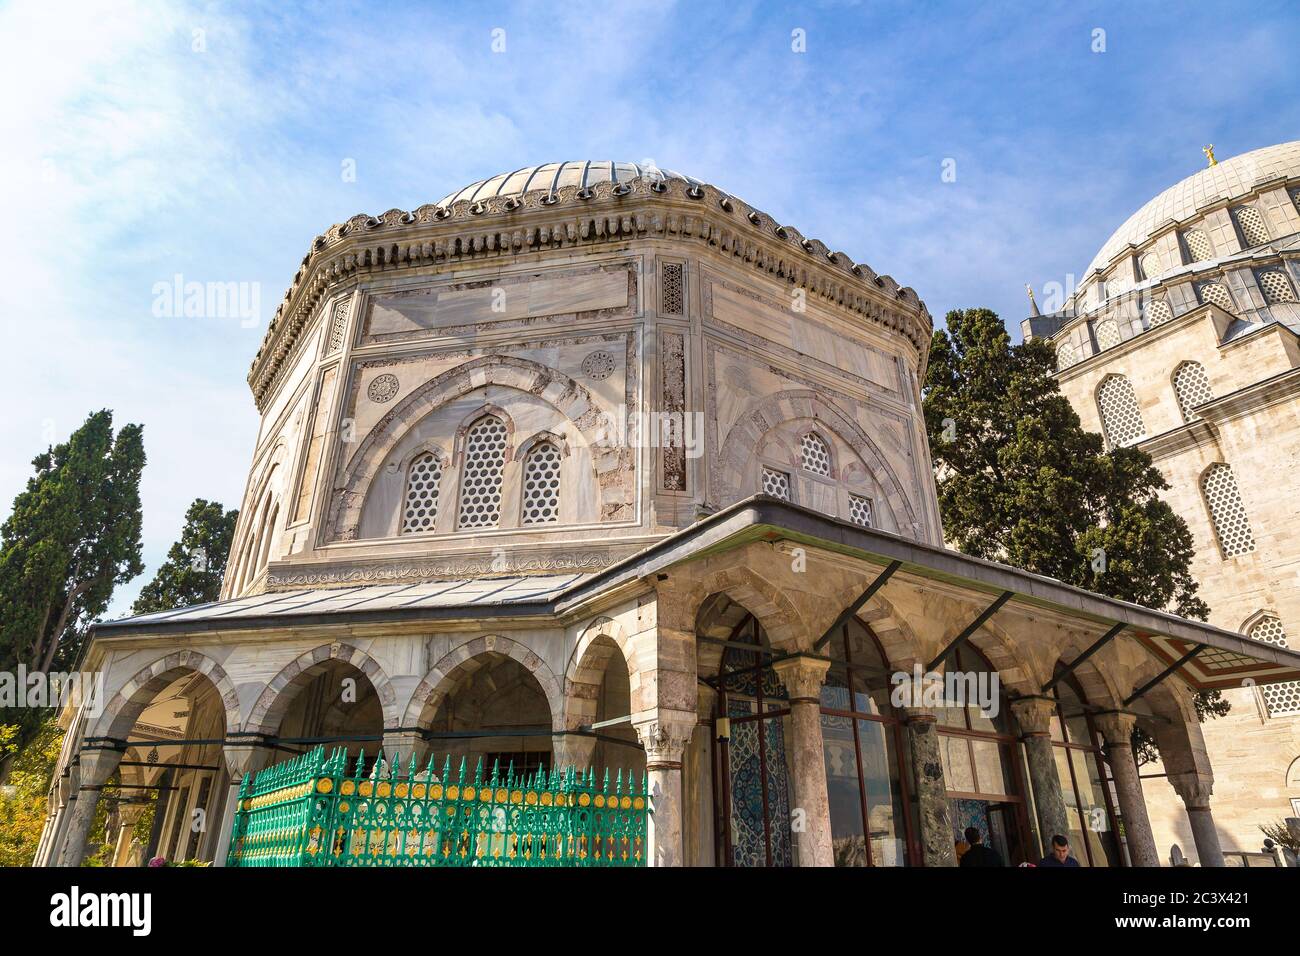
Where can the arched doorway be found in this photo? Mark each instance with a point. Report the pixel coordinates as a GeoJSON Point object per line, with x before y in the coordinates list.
{"type": "Point", "coordinates": [493, 710]}
{"type": "Point", "coordinates": [751, 765]}
{"type": "Point", "coordinates": [332, 703]}
{"type": "Point", "coordinates": [602, 687]}
{"type": "Point", "coordinates": [1086, 782]}
{"type": "Point", "coordinates": [983, 765]}
{"type": "Point", "coordinates": [165, 798]}
{"type": "Point", "coordinates": [872, 819]}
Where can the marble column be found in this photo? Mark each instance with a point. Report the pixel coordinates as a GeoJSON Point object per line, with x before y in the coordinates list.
{"type": "Point", "coordinates": [402, 744]}
{"type": "Point", "coordinates": [937, 845]}
{"type": "Point", "coordinates": [573, 750]}
{"type": "Point", "coordinates": [810, 806]}
{"type": "Point", "coordinates": [241, 760]}
{"type": "Point", "coordinates": [1033, 717]}
{"type": "Point", "coordinates": [1195, 789]}
{"type": "Point", "coordinates": [697, 787]}
{"type": "Point", "coordinates": [1117, 729]}
{"type": "Point", "coordinates": [664, 742]}
{"type": "Point", "coordinates": [96, 764]}
{"type": "Point", "coordinates": [128, 815]}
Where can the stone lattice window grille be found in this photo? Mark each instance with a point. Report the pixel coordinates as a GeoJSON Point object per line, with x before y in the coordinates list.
{"type": "Point", "coordinates": [338, 325]}
{"type": "Point", "coordinates": [1283, 699]}
{"type": "Point", "coordinates": [1150, 265]}
{"type": "Point", "coordinates": [1116, 284]}
{"type": "Point", "coordinates": [542, 485]}
{"type": "Point", "coordinates": [860, 510]}
{"type": "Point", "coordinates": [1276, 286]}
{"type": "Point", "coordinates": [1227, 513]}
{"type": "Point", "coordinates": [1191, 388]}
{"type": "Point", "coordinates": [1295, 198]}
{"type": "Point", "coordinates": [1158, 312]}
{"type": "Point", "coordinates": [1254, 231]}
{"type": "Point", "coordinates": [1218, 294]}
{"type": "Point", "coordinates": [1107, 332]}
{"type": "Point", "coordinates": [1198, 246]}
{"type": "Point", "coordinates": [480, 485]}
{"type": "Point", "coordinates": [1066, 355]}
{"type": "Point", "coordinates": [672, 289]}
{"type": "Point", "coordinates": [776, 483]}
{"type": "Point", "coordinates": [1121, 419]}
{"type": "Point", "coordinates": [420, 508]}
{"type": "Point", "coordinates": [815, 457]}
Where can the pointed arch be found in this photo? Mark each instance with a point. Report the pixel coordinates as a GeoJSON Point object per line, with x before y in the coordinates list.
{"type": "Point", "coordinates": [132, 697]}
{"type": "Point", "coordinates": [270, 707]}
{"type": "Point", "coordinates": [571, 399]}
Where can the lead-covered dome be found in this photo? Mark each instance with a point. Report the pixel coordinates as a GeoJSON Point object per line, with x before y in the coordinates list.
{"type": "Point", "coordinates": [554, 176]}
{"type": "Point", "coordinates": [1229, 179]}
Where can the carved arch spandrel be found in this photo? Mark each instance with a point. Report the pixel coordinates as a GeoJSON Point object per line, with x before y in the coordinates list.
{"type": "Point", "coordinates": [568, 397]}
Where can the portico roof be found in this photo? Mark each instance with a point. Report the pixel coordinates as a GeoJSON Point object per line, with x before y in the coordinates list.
{"type": "Point", "coordinates": [1222, 658]}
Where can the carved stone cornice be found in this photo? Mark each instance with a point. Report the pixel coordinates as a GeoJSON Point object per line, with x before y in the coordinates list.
{"type": "Point", "coordinates": [606, 213]}
{"type": "Point", "coordinates": [414, 569]}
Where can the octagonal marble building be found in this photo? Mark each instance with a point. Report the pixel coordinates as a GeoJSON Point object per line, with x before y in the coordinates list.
{"type": "Point", "coordinates": [532, 344]}
{"type": "Point", "coordinates": [595, 465]}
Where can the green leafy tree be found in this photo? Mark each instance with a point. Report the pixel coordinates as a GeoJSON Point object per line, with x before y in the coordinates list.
{"type": "Point", "coordinates": [72, 537]}
{"type": "Point", "coordinates": [1020, 481]}
{"type": "Point", "coordinates": [195, 564]}
{"type": "Point", "coordinates": [23, 797]}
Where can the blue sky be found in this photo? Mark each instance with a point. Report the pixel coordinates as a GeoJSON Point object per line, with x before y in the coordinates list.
{"type": "Point", "coordinates": [142, 141]}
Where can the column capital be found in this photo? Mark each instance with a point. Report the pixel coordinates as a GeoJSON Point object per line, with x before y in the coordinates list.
{"type": "Point", "coordinates": [1194, 788]}
{"type": "Point", "coordinates": [1033, 715]}
{"type": "Point", "coordinates": [802, 676]}
{"type": "Point", "coordinates": [244, 758]}
{"type": "Point", "coordinates": [665, 738]}
{"type": "Point", "coordinates": [1116, 727]}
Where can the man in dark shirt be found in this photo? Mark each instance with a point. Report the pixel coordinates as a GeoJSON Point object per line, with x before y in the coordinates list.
{"type": "Point", "coordinates": [979, 854]}
{"type": "Point", "coordinates": [1060, 855]}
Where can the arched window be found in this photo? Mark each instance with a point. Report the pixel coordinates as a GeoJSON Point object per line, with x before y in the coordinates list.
{"type": "Point", "coordinates": [480, 484]}
{"type": "Point", "coordinates": [541, 485]}
{"type": "Point", "coordinates": [1275, 285]}
{"type": "Point", "coordinates": [1107, 332]}
{"type": "Point", "coordinates": [1198, 246]}
{"type": "Point", "coordinates": [1191, 388]}
{"type": "Point", "coordinates": [1116, 284]}
{"type": "Point", "coordinates": [1065, 356]}
{"type": "Point", "coordinates": [862, 739]}
{"type": "Point", "coordinates": [1254, 232]}
{"type": "Point", "coordinates": [815, 457]}
{"type": "Point", "coordinates": [1150, 265]}
{"type": "Point", "coordinates": [776, 483]}
{"type": "Point", "coordinates": [1279, 699]}
{"type": "Point", "coordinates": [421, 506]}
{"type": "Point", "coordinates": [1217, 293]}
{"type": "Point", "coordinates": [1158, 312]}
{"type": "Point", "coordinates": [1121, 420]}
{"type": "Point", "coordinates": [1227, 513]}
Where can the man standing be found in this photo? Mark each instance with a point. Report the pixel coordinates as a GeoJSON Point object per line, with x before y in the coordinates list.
{"type": "Point", "coordinates": [1060, 855]}
{"type": "Point", "coordinates": [979, 854]}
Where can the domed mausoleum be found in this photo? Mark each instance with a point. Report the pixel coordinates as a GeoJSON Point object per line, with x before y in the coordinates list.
{"type": "Point", "coordinates": [601, 502]}
{"type": "Point", "coordinates": [1183, 339]}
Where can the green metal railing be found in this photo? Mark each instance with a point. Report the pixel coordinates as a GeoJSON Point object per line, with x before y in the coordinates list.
{"type": "Point", "coordinates": [309, 811]}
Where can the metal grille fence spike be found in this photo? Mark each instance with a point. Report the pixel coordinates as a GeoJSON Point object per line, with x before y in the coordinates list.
{"type": "Point", "coordinates": [311, 811]}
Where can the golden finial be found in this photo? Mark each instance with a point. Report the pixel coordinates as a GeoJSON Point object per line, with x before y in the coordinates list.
{"type": "Point", "coordinates": [1209, 154]}
{"type": "Point", "coordinates": [1032, 304]}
